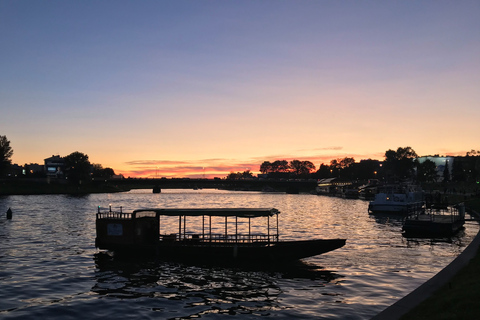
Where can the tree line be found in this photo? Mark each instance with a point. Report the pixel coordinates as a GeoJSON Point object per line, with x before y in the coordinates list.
{"type": "Point", "coordinates": [77, 169]}
{"type": "Point", "coordinates": [400, 164]}
{"type": "Point", "coordinates": [297, 167]}
{"type": "Point", "coordinates": [278, 168]}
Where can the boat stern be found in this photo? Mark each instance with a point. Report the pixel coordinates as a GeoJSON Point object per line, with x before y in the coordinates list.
{"type": "Point", "coordinates": [120, 231]}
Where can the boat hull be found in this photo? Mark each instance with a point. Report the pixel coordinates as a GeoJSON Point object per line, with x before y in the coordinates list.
{"type": "Point", "coordinates": [282, 251]}
{"type": "Point", "coordinates": [398, 208]}
{"type": "Point", "coordinates": [424, 226]}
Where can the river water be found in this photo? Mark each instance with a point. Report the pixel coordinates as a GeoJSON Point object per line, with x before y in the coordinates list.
{"type": "Point", "coordinates": [50, 268]}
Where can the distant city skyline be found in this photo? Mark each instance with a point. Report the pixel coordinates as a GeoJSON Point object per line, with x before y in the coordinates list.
{"type": "Point", "coordinates": [194, 88]}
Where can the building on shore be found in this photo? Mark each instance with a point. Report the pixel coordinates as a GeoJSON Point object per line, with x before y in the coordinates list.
{"type": "Point", "coordinates": [440, 163]}
{"type": "Point", "coordinates": [54, 166]}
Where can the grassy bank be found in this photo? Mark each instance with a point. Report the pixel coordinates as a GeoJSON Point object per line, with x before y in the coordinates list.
{"type": "Point", "coordinates": [459, 298]}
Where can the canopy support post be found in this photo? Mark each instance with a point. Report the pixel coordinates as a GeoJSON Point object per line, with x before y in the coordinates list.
{"type": "Point", "coordinates": [184, 226]}
{"type": "Point", "coordinates": [268, 229]}
{"type": "Point", "coordinates": [236, 229]}
{"type": "Point", "coordinates": [277, 228]}
{"type": "Point", "coordinates": [179, 227]}
{"type": "Point", "coordinates": [226, 228]}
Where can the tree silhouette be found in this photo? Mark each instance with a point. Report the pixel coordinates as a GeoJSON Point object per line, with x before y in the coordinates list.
{"type": "Point", "coordinates": [282, 165]}
{"type": "Point", "coordinates": [276, 166]}
{"type": "Point", "coordinates": [100, 172]}
{"type": "Point", "coordinates": [6, 153]}
{"type": "Point", "coordinates": [426, 171]}
{"type": "Point", "coordinates": [240, 175]}
{"type": "Point", "coordinates": [400, 163]}
{"type": "Point", "coordinates": [77, 167]}
{"type": "Point", "coordinates": [266, 167]}
{"type": "Point", "coordinates": [301, 167]}
{"type": "Point", "coordinates": [446, 173]}
{"type": "Point", "coordinates": [458, 171]}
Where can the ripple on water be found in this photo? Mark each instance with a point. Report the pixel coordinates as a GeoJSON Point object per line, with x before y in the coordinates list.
{"type": "Point", "coordinates": [50, 268]}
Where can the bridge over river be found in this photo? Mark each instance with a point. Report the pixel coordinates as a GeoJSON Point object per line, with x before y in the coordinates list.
{"type": "Point", "coordinates": [289, 186]}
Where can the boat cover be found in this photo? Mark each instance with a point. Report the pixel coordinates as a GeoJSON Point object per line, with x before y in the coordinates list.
{"type": "Point", "coordinates": [215, 212]}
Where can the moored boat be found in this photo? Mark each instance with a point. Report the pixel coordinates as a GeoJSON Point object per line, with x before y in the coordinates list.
{"type": "Point", "coordinates": [368, 190]}
{"type": "Point", "coordinates": [397, 199]}
{"type": "Point", "coordinates": [325, 187]}
{"type": "Point", "coordinates": [435, 222]}
{"type": "Point", "coordinates": [149, 231]}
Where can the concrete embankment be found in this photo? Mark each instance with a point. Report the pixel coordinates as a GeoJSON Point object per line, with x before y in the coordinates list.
{"type": "Point", "coordinates": [407, 303]}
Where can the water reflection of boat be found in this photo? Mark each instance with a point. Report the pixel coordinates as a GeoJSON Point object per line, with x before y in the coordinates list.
{"type": "Point", "coordinates": [143, 231]}
{"type": "Point", "coordinates": [435, 222]}
{"type": "Point", "coordinates": [398, 198]}
{"type": "Point", "coordinates": [173, 285]}
{"type": "Point", "coordinates": [106, 261]}
{"type": "Point", "coordinates": [190, 291]}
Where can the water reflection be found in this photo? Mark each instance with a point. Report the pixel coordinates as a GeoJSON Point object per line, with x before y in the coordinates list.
{"type": "Point", "coordinates": [50, 268]}
{"type": "Point", "coordinates": [201, 289]}
{"type": "Point", "coordinates": [458, 241]}
{"type": "Point", "coordinates": [388, 218]}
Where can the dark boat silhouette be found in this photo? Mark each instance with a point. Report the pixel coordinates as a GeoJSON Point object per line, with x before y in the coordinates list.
{"type": "Point", "coordinates": [143, 232]}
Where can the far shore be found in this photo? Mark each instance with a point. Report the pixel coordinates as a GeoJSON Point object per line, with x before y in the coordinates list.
{"type": "Point", "coordinates": [450, 193]}
{"type": "Point", "coordinates": [29, 188]}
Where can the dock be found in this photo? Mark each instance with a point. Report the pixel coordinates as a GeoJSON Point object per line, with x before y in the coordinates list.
{"type": "Point", "coordinates": [435, 222]}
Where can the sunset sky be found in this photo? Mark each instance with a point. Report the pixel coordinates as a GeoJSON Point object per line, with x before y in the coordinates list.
{"type": "Point", "coordinates": [194, 88]}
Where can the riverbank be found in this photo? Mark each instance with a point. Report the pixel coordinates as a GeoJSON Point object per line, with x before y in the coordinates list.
{"type": "Point", "coordinates": [458, 298]}
{"type": "Point", "coordinates": [31, 187]}
{"type": "Point", "coordinates": [452, 294]}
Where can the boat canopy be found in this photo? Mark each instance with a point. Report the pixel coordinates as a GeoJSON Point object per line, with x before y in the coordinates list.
{"type": "Point", "coordinates": [214, 212]}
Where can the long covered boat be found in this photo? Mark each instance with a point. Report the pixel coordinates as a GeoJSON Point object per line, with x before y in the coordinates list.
{"type": "Point", "coordinates": [217, 234]}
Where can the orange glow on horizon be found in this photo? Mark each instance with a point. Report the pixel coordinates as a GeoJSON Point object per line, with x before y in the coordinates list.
{"type": "Point", "coordinates": [221, 168]}
{"type": "Point", "coordinates": [214, 169]}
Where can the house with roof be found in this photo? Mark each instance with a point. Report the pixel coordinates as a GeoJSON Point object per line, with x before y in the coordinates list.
{"type": "Point", "coordinates": [54, 167]}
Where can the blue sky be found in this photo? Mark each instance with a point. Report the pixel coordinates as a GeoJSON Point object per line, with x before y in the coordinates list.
{"type": "Point", "coordinates": [183, 87]}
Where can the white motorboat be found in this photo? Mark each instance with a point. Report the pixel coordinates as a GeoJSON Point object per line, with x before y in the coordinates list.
{"type": "Point", "coordinates": [398, 198]}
